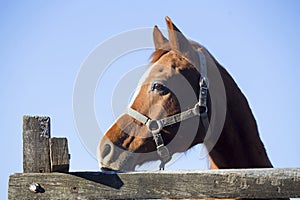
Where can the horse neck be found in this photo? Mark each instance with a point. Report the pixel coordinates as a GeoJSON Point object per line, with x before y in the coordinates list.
{"type": "Point", "coordinates": [239, 145]}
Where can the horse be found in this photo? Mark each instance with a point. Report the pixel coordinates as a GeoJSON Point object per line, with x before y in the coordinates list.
{"type": "Point", "coordinates": [184, 98]}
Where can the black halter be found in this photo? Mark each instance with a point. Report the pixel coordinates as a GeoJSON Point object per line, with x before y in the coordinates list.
{"type": "Point", "coordinates": [156, 125]}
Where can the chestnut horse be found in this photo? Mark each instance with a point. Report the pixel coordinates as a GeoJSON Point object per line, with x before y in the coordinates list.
{"type": "Point", "coordinates": [173, 111]}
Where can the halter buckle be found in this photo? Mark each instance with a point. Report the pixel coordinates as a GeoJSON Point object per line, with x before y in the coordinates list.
{"type": "Point", "coordinates": [203, 93]}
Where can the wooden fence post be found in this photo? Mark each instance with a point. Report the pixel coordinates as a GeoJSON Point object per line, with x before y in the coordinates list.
{"type": "Point", "coordinates": [41, 153]}
{"type": "Point", "coordinates": [59, 155]}
{"type": "Point", "coordinates": [36, 150]}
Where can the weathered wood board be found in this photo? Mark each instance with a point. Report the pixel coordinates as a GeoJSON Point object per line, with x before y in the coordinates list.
{"type": "Point", "coordinates": [59, 155]}
{"type": "Point", "coordinates": [239, 183]}
{"type": "Point", "coordinates": [36, 151]}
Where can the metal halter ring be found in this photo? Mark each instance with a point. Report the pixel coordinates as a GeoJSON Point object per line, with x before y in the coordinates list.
{"type": "Point", "coordinates": [154, 126]}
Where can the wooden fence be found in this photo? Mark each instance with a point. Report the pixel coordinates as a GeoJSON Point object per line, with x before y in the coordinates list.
{"type": "Point", "coordinates": [46, 176]}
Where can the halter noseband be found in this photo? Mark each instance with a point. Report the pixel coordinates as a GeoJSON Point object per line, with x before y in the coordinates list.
{"type": "Point", "coordinates": [156, 125]}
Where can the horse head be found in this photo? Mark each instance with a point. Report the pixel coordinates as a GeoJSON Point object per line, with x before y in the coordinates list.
{"type": "Point", "coordinates": [152, 128]}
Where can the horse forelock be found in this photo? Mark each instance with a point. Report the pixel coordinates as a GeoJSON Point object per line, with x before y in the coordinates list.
{"type": "Point", "coordinates": [158, 53]}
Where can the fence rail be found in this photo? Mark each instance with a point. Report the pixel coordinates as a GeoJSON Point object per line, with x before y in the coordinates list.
{"type": "Point", "coordinates": [46, 165]}
{"type": "Point", "coordinates": [242, 183]}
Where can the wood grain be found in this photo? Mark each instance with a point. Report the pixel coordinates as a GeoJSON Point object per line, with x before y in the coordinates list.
{"type": "Point", "coordinates": [239, 183]}
{"type": "Point", "coordinates": [36, 134]}
{"type": "Point", "coordinates": [59, 155]}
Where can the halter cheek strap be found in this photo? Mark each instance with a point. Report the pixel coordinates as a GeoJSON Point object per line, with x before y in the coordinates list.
{"type": "Point", "coordinates": [156, 125]}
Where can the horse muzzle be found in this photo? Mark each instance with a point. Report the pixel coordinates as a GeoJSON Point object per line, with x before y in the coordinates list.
{"type": "Point", "coordinates": [113, 158]}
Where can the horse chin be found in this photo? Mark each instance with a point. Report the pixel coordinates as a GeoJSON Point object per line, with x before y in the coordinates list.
{"type": "Point", "coordinates": [117, 168]}
{"type": "Point", "coordinates": [124, 163]}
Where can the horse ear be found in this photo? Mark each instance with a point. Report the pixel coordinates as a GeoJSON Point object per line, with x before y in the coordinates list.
{"type": "Point", "coordinates": [160, 42]}
{"type": "Point", "coordinates": [180, 44]}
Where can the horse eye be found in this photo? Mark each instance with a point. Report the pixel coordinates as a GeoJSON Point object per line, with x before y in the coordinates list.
{"type": "Point", "coordinates": [159, 87]}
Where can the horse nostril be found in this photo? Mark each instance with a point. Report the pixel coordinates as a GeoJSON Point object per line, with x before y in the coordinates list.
{"type": "Point", "coordinates": [106, 150]}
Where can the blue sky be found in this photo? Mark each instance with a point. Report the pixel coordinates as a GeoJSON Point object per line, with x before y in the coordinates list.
{"type": "Point", "coordinates": [44, 44]}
